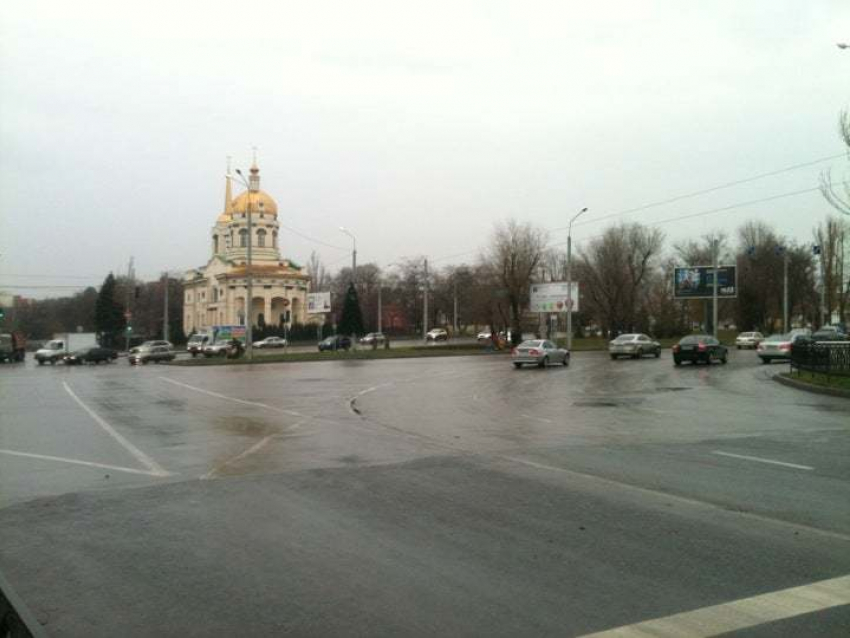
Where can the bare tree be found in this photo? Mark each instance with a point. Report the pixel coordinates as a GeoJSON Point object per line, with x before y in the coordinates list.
{"type": "Point", "coordinates": [319, 277]}
{"type": "Point", "coordinates": [614, 272]}
{"type": "Point", "coordinates": [831, 236]}
{"type": "Point", "coordinates": [838, 198]}
{"type": "Point", "coordinates": [515, 251]}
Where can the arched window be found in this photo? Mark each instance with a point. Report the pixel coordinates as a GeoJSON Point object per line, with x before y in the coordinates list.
{"type": "Point", "coordinates": [274, 238]}
{"type": "Point", "coordinates": [261, 238]}
{"type": "Point", "coordinates": [215, 244]}
{"type": "Point", "coordinates": [243, 238]}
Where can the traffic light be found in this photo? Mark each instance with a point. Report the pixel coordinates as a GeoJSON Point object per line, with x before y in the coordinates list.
{"type": "Point", "coordinates": [2, 313]}
{"type": "Point", "coordinates": [129, 329]}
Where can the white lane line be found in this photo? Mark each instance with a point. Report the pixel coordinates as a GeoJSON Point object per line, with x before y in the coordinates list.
{"type": "Point", "coordinates": [254, 448]}
{"type": "Point", "coordinates": [535, 418]}
{"type": "Point", "coordinates": [233, 399]}
{"type": "Point", "coordinates": [761, 460]}
{"type": "Point", "coordinates": [740, 614]}
{"type": "Point", "coordinates": [141, 457]}
{"type": "Point", "coordinates": [45, 457]}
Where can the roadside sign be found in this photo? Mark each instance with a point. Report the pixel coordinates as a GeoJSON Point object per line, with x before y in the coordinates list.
{"type": "Point", "coordinates": [697, 282]}
{"type": "Point", "coordinates": [553, 297]}
{"type": "Point", "coordinates": [318, 302]}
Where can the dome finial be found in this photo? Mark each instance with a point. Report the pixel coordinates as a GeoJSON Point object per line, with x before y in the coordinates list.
{"type": "Point", "coordinates": [228, 195]}
{"type": "Point", "coordinates": [254, 180]}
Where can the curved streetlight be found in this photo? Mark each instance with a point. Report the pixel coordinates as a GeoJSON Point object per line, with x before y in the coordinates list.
{"type": "Point", "coordinates": [353, 253]}
{"type": "Point", "coordinates": [570, 277]}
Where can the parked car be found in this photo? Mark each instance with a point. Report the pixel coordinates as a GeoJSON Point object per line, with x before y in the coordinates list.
{"type": "Point", "coordinates": [151, 354]}
{"type": "Point", "coordinates": [829, 333]}
{"type": "Point", "coordinates": [335, 342]}
{"type": "Point", "coordinates": [93, 354]}
{"type": "Point", "coordinates": [634, 346]}
{"type": "Point", "coordinates": [150, 344]}
{"type": "Point", "coordinates": [778, 346]}
{"type": "Point", "coordinates": [218, 348]}
{"type": "Point", "coordinates": [373, 338]}
{"type": "Point", "coordinates": [699, 349]}
{"type": "Point", "coordinates": [196, 343]}
{"type": "Point", "coordinates": [271, 342]}
{"type": "Point", "coordinates": [437, 334]}
{"type": "Point", "coordinates": [485, 335]}
{"type": "Point", "coordinates": [748, 340]}
{"type": "Point", "coordinates": [539, 352]}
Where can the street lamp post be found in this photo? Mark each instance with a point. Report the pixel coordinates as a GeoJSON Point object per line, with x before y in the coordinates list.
{"type": "Point", "coordinates": [353, 253]}
{"type": "Point", "coordinates": [249, 323]}
{"type": "Point", "coordinates": [425, 304]}
{"type": "Point", "coordinates": [716, 246]}
{"type": "Point", "coordinates": [570, 277]}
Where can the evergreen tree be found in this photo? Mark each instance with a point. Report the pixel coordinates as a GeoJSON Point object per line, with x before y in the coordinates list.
{"type": "Point", "coordinates": [108, 316]}
{"type": "Point", "coordinates": [351, 322]}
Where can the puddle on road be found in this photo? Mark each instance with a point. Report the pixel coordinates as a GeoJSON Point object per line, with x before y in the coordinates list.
{"type": "Point", "coordinates": [674, 388]}
{"type": "Point", "coordinates": [244, 426]}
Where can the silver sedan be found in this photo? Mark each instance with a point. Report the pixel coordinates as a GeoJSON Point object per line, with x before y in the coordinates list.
{"type": "Point", "coordinates": [540, 352]}
{"type": "Point", "coordinates": [634, 346]}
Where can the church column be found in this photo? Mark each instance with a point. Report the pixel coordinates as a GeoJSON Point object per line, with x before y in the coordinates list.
{"type": "Point", "coordinates": [267, 313]}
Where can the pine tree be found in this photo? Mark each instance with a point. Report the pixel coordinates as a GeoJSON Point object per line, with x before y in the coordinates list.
{"type": "Point", "coordinates": [108, 316]}
{"type": "Point", "coordinates": [351, 322]}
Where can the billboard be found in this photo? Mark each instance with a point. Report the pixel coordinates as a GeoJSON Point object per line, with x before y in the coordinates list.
{"type": "Point", "coordinates": [697, 282]}
{"type": "Point", "coordinates": [318, 302]}
{"type": "Point", "coordinates": [552, 297]}
{"type": "Point", "coordinates": [227, 333]}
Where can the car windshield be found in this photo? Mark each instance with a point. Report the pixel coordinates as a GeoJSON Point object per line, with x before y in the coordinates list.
{"type": "Point", "coordinates": [623, 338]}
{"type": "Point", "coordinates": [693, 339]}
{"type": "Point", "coordinates": [532, 344]}
{"type": "Point", "coordinates": [779, 337]}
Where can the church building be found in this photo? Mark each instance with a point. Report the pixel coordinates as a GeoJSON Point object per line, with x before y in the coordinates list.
{"type": "Point", "coordinates": [216, 294]}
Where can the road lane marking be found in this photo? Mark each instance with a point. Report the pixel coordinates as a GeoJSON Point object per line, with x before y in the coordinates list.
{"type": "Point", "coordinates": [45, 457]}
{"type": "Point", "coordinates": [141, 457]}
{"type": "Point", "coordinates": [670, 496]}
{"type": "Point", "coordinates": [740, 614]}
{"type": "Point", "coordinates": [254, 448]}
{"type": "Point", "coordinates": [761, 460]}
{"type": "Point", "coordinates": [233, 399]}
{"type": "Point", "coordinates": [536, 418]}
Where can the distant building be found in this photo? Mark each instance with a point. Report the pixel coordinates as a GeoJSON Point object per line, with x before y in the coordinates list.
{"type": "Point", "coordinates": [216, 294]}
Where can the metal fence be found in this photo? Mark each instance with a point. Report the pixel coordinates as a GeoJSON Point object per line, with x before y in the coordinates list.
{"type": "Point", "coordinates": [831, 358]}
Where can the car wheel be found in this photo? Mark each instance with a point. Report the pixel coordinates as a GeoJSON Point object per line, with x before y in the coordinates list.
{"type": "Point", "coordinates": [613, 357]}
{"type": "Point", "coordinates": [658, 352]}
{"type": "Point", "coordinates": [639, 354]}
{"type": "Point", "coordinates": [40, 362]}
{"type": "Point", "coordinates": [566, 360]}
{"type": "Point", "coordinates": [544, 363]}
{"type": "Point", "coordinates": [764, 360]}
{"type": "Point", "coordinates": [517, 365]}
{"type": "Point", "coordinates": [677, 362]}
{"type": "Point", "coordinates": [724, 358]}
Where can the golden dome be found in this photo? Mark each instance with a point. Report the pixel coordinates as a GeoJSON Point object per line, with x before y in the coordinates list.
{"type": "Point", "coordinates": [260, 201]}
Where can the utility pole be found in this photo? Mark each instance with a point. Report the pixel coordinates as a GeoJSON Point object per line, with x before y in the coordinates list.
{"type": "Point", "coordinates": [425, 304]}
{"type": "Point", "coordinates": [131, 289]}
{"type": "Point", "coordinates": [570, 278]}
{"type": "Point", "coordinates": [785, 324]}
{"type": "Point", "coordinates": [716, 247]}
{"type": "Point", "coordinates": [454, 315]}
{"type": "Point", "coordinates": [380, 311]}
{"type": "Point", "coordinates": [165, 309]}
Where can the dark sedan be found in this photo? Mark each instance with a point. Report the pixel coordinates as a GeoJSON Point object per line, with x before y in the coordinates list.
{"type": "Point", "coordinates": [91, 355]}
{"type": "Point", "coordinates": [699, 349]}
{"type": "Point", "coordinates": [335, 342]}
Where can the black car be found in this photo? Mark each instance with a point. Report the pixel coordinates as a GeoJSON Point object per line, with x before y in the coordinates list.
{"type": "Point", "coordinates": [829, 333]}
{"type": "Point", "coordinates": [335, 342]}
{"type": "Point", "coordinates": [699, 349]}
{"type": "Point", "coordinates": [95, 354]}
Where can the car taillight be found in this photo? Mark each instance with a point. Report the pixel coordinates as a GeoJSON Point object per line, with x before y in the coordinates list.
{"type": "Point", "coordinates": [676, 348]}
{"type": "Point", "coordinates": [701, 347]}
{"type": "Point", "coordinates": [534, 352]}
{"type": "Point", "coordinates": [513, 350]}
{"type": "Point", "coordinates": [785, 346]}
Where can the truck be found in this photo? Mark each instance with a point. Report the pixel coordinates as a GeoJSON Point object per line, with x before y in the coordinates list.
{"type": "Point", "coordinates": [222, 336]}
{"type": "Point", "coordinates": [197, 341]}
{"type": "Point", "coordinates": [62, 344]}
{"type": "Point", "coordinates": [13, 346]}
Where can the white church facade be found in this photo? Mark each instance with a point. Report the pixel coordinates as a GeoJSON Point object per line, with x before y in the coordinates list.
{"type": "Point", "coordinates": [216, 294]}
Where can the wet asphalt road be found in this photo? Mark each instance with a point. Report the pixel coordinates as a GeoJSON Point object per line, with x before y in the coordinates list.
{"type": "Point", "coordinates": [452, 496]}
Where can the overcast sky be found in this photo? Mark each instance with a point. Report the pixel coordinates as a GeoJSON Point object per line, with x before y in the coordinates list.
{"type": "Point", "coordinates": [416, 125]}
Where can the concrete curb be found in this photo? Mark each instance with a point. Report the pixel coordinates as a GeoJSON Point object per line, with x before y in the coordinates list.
{"type": "Point", "coordinates": [810, 387]}
{"type": "Point", "coordinates": [15, 616]}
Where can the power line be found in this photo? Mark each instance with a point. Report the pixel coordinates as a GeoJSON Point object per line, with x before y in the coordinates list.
{"type": "Point", "coordinates": [312, 239]}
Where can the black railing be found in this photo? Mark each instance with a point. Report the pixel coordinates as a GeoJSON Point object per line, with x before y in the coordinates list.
{"type": "Point", "coordinates": [831, 358]}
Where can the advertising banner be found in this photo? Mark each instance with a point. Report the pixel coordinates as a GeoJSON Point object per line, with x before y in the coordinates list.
{"type": "Point", "coordinates": [318, 302]}
{"type": "Point", "coordinates": [226, 333]}
{"type": "Point", "coordinates": [697, 282]}
{"type": "Point", "coordinates": [552, 297]}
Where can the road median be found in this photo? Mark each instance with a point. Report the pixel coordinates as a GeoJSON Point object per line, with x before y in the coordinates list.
{"type": "Point", "coordinates": [819, 384]}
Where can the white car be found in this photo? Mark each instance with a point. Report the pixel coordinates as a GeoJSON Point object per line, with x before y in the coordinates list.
{"type": "Point", "coordinates": [634, 346]}
{"type": "Point", "coordinates": [748, 340]}
{"type": "Point", "coordinates": [437, 334]}
{"type": "Point", "coordinates": [271, 342]}
{"type": "Point", "coordinates": [539, 352]}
